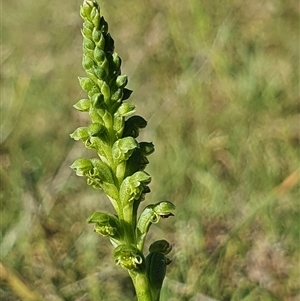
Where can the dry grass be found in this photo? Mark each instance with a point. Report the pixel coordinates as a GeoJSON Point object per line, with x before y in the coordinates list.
{"type": "Point", "coordinates": [218, 83]}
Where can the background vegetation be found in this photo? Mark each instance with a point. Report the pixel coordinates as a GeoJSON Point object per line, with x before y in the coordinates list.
{"type": "Point", "coordinates": [218, 82]}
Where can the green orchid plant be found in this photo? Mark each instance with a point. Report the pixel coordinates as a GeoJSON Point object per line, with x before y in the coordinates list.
{"type": "Point", "coordinates": [119, 168]}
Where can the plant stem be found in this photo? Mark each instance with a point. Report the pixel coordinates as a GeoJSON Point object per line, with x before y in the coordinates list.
{"type": "Point", "coordinates": [141, 285]}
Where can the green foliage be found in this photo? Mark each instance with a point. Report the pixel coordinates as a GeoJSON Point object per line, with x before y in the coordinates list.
{"type": "Point", "coordinates": [218, 84]}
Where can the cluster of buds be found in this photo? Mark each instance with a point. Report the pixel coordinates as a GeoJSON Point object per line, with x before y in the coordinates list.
{"type": "Point", "coordinates": [119, 168]}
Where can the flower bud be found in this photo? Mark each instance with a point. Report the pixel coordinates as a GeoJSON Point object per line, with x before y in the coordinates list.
{"type": "Point", "coordinates": [88, 24]}
{"type": "Point", "coordinates": [87, 62]}
{"type": "Point", "coordinates": [96, 35]}
{"type": "Point", "coordinates": [89, 53]}
{"type": "Point", "coordinates": [86, 32]}
{"type": "Point", "coordinates": [117, 96]}
{"type": "Point", "coordinates": [117, 61]}
{"type": "Point", "coordinates": [118, 125]}
{"type": "Point", "coordinates": [105, 90]}
{"type": "Point", "coordinates": [83, 105]}
{"type": "Point", "coordinates": [121, 81]}
{"type": "Point", "coordinates": [95, 16]}
{"type": "Point", "coordinates": [99, 54]}
{"type": "Point", "coordinates": [98, 101]}
{"type": "Point", "coordinates": [125, 109]}
{"type": "Point", "coordinates": [94, 90]}
{"type": "Point", "coordinates": [86, 8]}
{"type": "Point", "coordinates": [89, 44]}
{"type": "Point", "coordinates": [95, 129]}
{"type": "Point", "coordinates": [101, 42]}
{"type": "Point", "coordinates": [80, 133]}
{"type": "Point", "coordinates": [99, 72]}
{"type": "Point", "coordinates": [86, 83]}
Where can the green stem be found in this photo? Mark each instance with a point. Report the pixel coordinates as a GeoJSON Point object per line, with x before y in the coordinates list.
{"type": "Point", "coordinates": [141, 285]}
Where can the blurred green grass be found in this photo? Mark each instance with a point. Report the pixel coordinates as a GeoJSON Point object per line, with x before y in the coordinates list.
{"type": "Point", "coordinates": [218, 82]}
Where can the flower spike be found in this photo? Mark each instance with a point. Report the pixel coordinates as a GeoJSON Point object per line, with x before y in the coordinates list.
{"type": "Point", "coordinates": [119, 169]}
